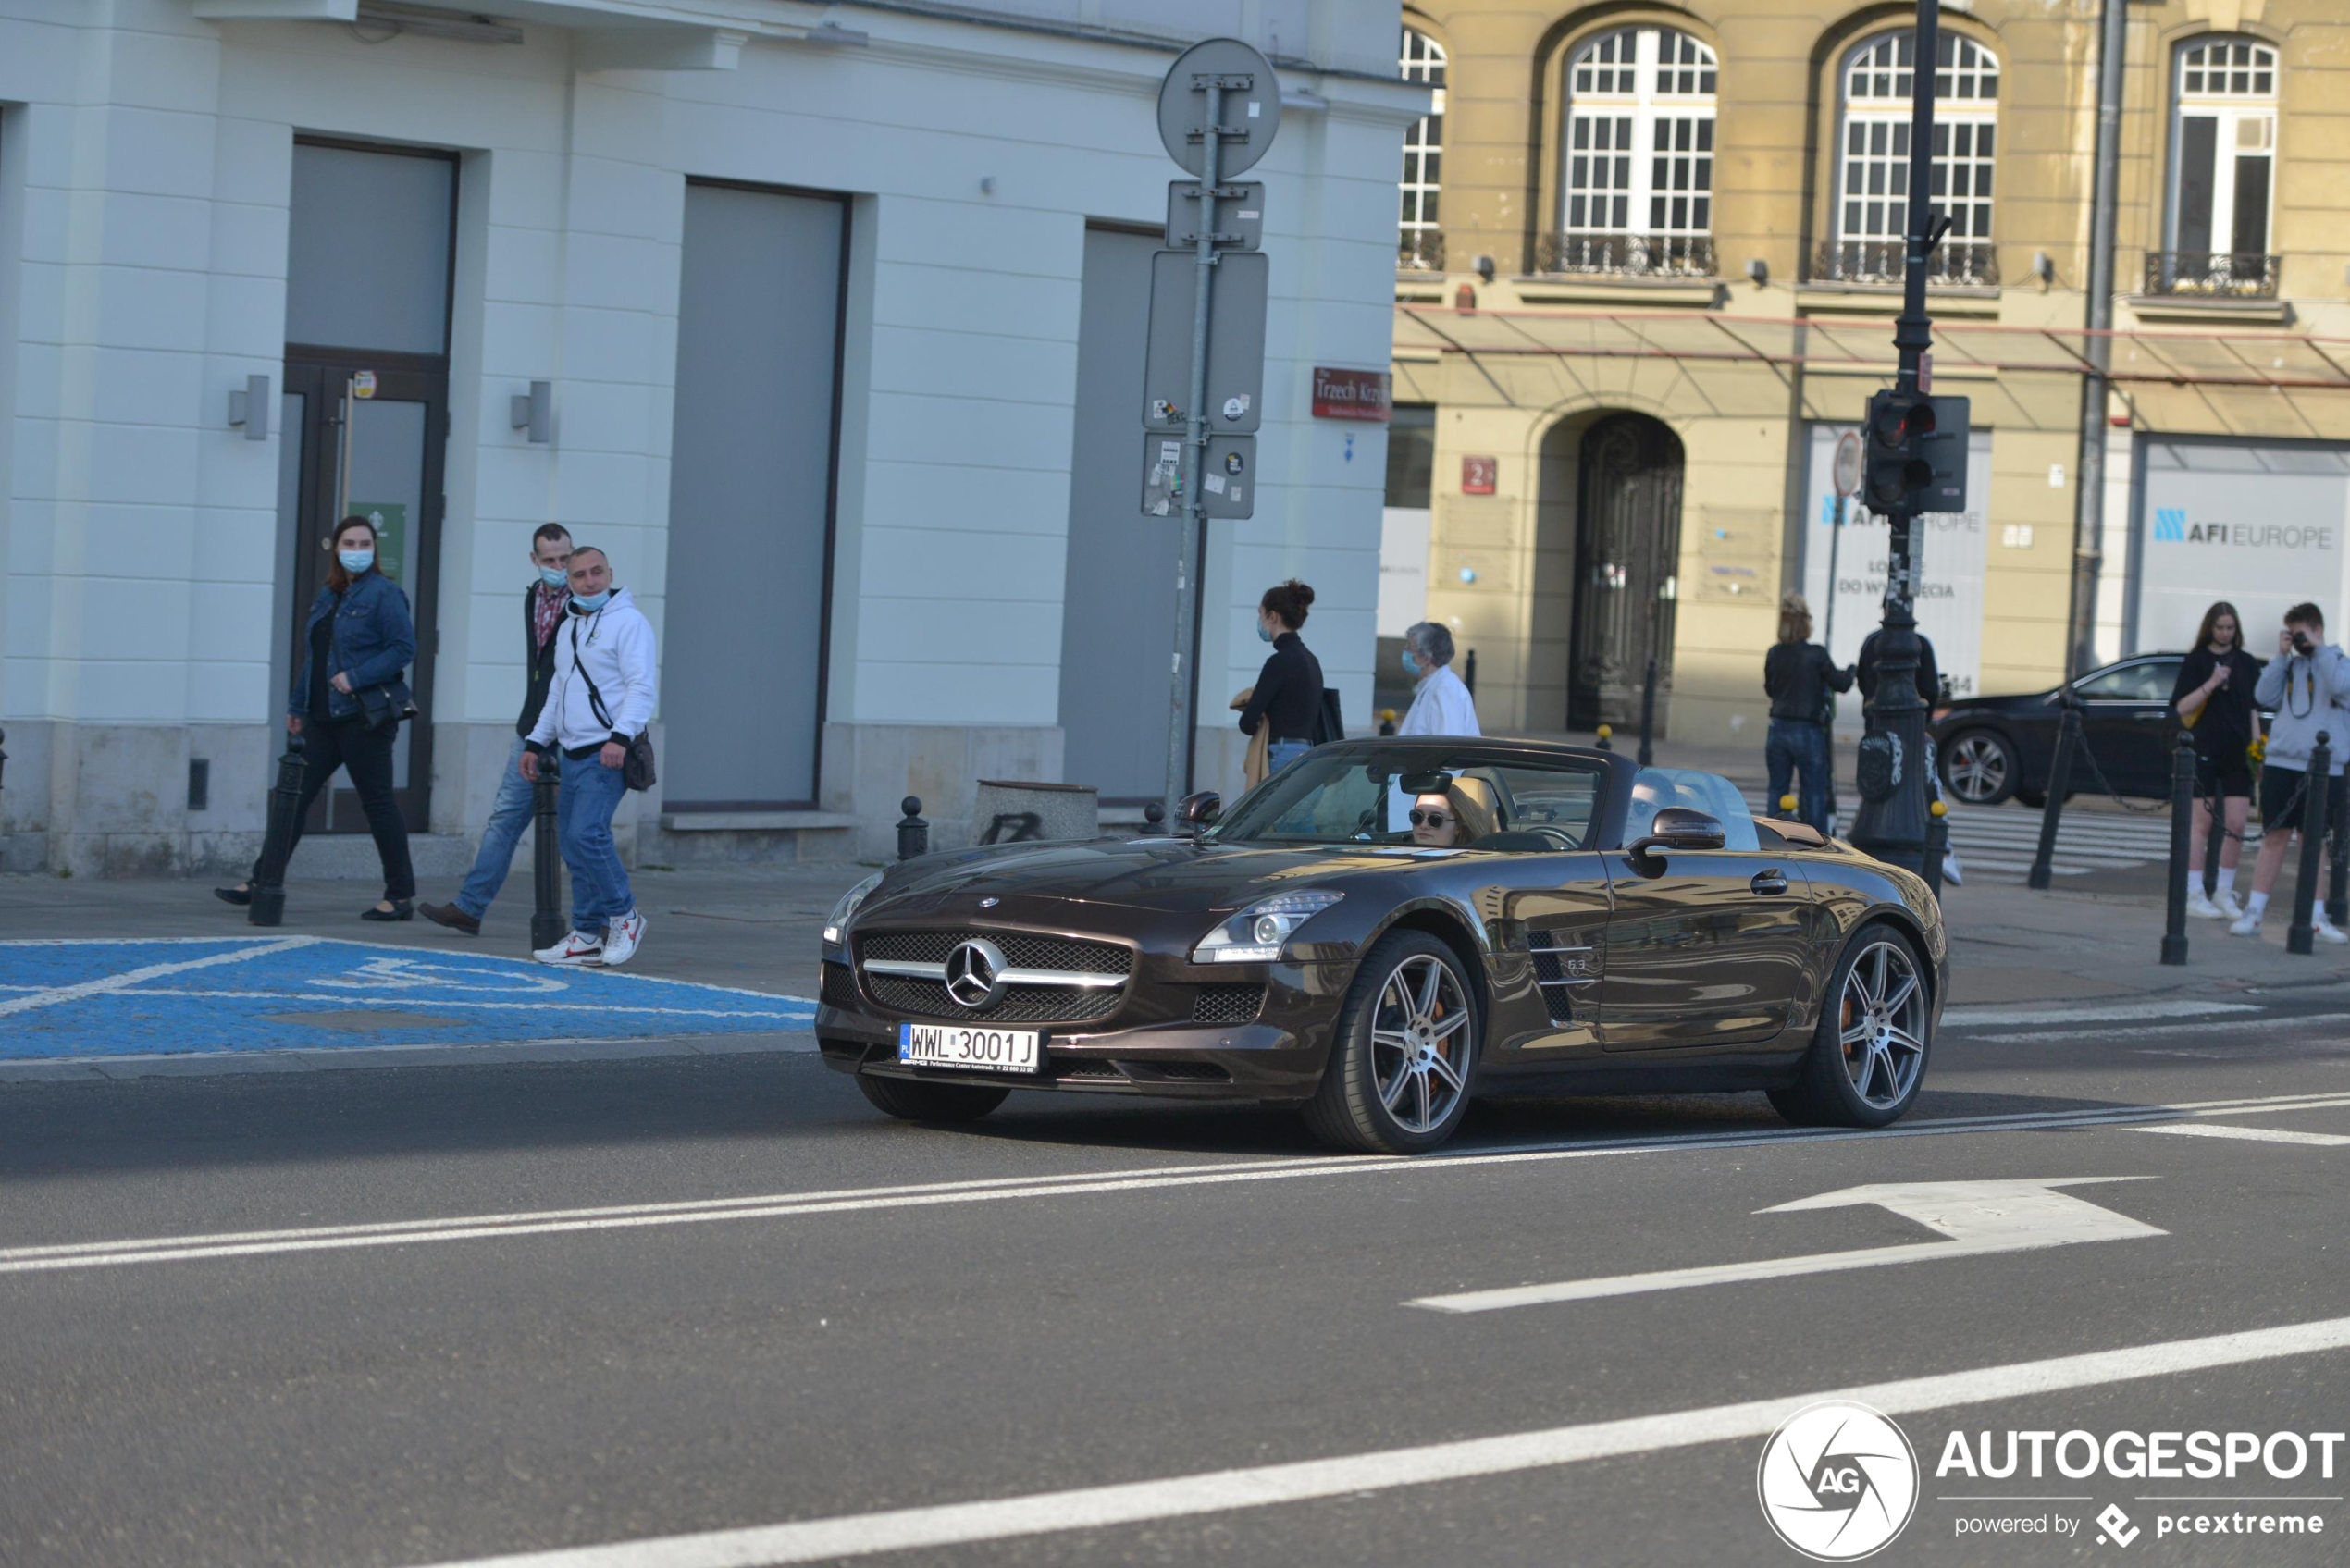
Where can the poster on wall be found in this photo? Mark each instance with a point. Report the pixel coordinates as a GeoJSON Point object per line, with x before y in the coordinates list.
{"type": "Point", "coordinates": [1948, 548]}
{"type": "Point", "coordinates": [2259, 527]}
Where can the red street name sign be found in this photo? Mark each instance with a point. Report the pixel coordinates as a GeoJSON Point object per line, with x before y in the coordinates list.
{"type": "Point", "coordinates": [1350, 394]}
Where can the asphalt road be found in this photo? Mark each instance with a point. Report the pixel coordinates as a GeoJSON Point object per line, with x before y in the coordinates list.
{"type": "Point", "coordinates": [847, 1324]}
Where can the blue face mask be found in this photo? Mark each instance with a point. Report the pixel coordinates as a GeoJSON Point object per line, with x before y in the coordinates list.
{"type": "Point", "coordinates": [1409, 668]}
{"type": "Point", "coordinates": [355, 560]}
{"type": "Point", "coordinates": [1262, 635]}
{"type": "Point", "coordinates": [553, 576]}
{"type": "Point", "coordinates": [591, 602]}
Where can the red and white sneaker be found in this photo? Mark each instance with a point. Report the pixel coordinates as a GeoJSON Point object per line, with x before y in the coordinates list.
{"type": "Point", "coordinates": [620, 938]}
{"type": "Point", "coordinates": [573, 949]}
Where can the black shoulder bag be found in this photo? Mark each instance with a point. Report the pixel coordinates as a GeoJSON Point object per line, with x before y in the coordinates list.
{"type": "Point", "coordinates": [636, 768]}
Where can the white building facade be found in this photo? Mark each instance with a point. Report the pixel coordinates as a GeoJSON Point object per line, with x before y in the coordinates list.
{"type": "Point", "coordinates": [838, 314]}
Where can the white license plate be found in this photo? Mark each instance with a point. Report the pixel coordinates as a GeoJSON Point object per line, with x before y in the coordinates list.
{"type": "Point", "coordinates": [983, 1050]}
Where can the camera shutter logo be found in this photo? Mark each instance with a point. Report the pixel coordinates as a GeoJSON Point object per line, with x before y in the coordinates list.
{"type": "Point", "coordinates": [1837, 1481]}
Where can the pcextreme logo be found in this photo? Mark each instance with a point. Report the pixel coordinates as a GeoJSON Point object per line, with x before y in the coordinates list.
{"type": "Point", "coordinates": [1837, 1481]}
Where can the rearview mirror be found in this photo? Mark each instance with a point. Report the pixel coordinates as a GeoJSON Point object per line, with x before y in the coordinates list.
{"type": "Point", "coordinates": [1197, 810]}
{"type": "Point", "coordinates": [1677, 827]}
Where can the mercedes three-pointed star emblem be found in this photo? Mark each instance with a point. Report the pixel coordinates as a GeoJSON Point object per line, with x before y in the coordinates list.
{"type": "Point", "coordinates": [974, 974]}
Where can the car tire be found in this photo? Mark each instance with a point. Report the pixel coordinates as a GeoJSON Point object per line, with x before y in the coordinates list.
{"type": "Point", "coordinates": [1979, 767]}
{"type": "Point", "coordinates": [911, 1100]}
{"type": "Point", "coordinates": [1400, 1070]}
{"type": "Point", "coordinates": [1858, 1072]}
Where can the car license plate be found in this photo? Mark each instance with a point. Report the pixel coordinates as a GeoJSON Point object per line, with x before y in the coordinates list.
{"type": "Point", "coordinates": [984, 1050]}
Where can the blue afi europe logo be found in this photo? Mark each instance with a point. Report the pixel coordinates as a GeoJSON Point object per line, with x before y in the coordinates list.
{"type": "Point", "coordinates": [2170, 524]}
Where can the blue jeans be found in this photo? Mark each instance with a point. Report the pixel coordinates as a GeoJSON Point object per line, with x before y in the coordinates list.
{"type": "Point", "coordinates": [1795, 744]}
{"type": "Point", "coordinates": [509, 815]}
{"type": "Point", "coordinates": [599, 892]}
{"type": "Point", "coordinates": [1281, 753]}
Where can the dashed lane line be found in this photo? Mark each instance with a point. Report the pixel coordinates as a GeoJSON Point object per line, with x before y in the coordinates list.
{"type": "Point", "coordinates": [785, 1205]}
{"type": "Point", "coordinates": [2250, 1135]}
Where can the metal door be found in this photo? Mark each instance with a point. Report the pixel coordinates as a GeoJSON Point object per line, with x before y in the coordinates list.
{"type": "Point", "coordinates": [1628, 548]}
{"type": "Point", "coordinates": [1711, 953]}
{"type": "Point", "coordinates": [372, 441]}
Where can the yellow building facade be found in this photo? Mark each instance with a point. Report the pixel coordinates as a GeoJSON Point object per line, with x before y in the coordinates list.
{"type": "Point", "coordinates": [1648, 265]}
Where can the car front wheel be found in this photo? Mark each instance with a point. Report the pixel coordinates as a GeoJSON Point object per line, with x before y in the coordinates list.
{"type": "Point", "coordinates": [1868, 1055]}
{"type": "Point", "coordinates": [1979, 767]}
{"type": "Point", "coordinates": [1403, 1053]}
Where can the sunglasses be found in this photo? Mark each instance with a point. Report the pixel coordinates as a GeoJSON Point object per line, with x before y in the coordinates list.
{"type": "Point", "coordinates": [1428, 818]}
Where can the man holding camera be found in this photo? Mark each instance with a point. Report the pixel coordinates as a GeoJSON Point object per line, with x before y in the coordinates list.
{"type": "Point", "coordinates": [2308, 685]}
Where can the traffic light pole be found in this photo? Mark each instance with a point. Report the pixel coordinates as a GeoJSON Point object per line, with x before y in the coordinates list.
{"type": "Point", "coordinates": [1891, 823]}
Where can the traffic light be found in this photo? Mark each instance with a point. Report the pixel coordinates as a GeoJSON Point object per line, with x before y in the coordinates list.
{"type": "Point", "coordinates": [1915, 454]}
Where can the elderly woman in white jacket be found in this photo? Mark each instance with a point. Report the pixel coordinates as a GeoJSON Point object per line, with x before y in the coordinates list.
{"type": "Point", "coordinates": [1443, 705]}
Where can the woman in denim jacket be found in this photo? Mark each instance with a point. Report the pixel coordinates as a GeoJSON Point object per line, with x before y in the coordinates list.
{"type": "Point", "coordinates": [349, 693]}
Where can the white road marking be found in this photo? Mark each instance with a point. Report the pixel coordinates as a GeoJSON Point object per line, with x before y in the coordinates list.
{"type": "Point", "coordinates": [1977, 1216]}
{"type": "Point", "coordinates": [2116, 1012]}
{"type": "Point", "coordinates": [129, 978]}
{"type": "Point", "coordinates": [2251, 1134]}
{"type": "Point", "coordinates": [1263, 1486]}
{"type": "Point", "coordinates": [393, 1233]}
{"type": "Point", "coordinates": [437, 1002]}
{"type": "Point", "coordinates": [2167, 1030]}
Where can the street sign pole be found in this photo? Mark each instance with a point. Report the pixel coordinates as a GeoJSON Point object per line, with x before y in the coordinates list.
{"type": "Point", "coordinates": [1848, 481]}
{"type": "Point", "coordinates": [1179, 722]}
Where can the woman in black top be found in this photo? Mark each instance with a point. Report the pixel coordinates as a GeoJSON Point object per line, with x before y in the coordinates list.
{"type": "Point", "coordinates": [1289, 689]}
{"type": "Point", "coordinates": [2213, 697]}
{"type": "Point", "coordinates": [1800, 680]}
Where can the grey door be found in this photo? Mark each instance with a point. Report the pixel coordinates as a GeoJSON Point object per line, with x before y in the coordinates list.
{"type": "Point", "coordinates": [1627, 546]}
{"type": "Point", "coordinates": [1118, 604]}
{"type": "Point", "coordinates": [751, 487]}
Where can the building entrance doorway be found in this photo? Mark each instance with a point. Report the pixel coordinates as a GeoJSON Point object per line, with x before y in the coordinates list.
{"type": "Point", "coordinates": [1627, 549]}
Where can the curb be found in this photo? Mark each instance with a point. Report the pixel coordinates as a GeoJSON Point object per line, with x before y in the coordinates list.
{"type": "Point", "coordinates": [87, 1069]}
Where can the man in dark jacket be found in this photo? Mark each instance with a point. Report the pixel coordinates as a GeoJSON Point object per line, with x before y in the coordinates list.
{"type": "Point", "coordinates": [542, 615]}
{"type": "Point", "coordinates": [1800, 680]}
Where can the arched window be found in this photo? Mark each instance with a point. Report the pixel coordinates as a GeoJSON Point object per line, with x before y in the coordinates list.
{"type": "Point", "coordinates": [1419, 242]}
{"type": "Point", "coordinates": [1635, 188]}
{"type": "Point", "coordinates": [2223, 149]}
{"type": "Point", "coordinates": [1872, 160]}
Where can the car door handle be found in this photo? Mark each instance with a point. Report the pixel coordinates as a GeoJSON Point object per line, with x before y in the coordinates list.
{"type": "Point", "coordinates": [2155, 717]}
{"type": "Point", "coordinates": [1769, 883]}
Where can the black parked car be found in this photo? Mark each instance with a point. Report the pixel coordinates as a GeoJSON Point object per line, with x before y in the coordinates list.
{"type": "Point", "coordinates": [1388, 927]}
{"type": "Point", "coordinates": [1992, 748]}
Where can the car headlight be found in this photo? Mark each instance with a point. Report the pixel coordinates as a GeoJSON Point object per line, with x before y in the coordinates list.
{"type": "Point", "coordinates": [837, 923]}
{"type": "Point", "coordinates": [1257, 934]}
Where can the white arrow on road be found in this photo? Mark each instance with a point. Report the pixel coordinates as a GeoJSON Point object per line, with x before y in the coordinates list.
{"type": "Point", "coordinates": [1977, 1216]}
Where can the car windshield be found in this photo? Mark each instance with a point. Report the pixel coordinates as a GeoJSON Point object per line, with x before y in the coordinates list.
{"type": "Point", "coordinates": [1465, 800]}
{"type": "Point", "coordinates": [1655, 788]}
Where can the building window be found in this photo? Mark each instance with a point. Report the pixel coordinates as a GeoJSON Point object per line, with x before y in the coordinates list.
{"type": "Point", "coordinates": [1872, 161]}
{"type": "Point", "coordinates": [1420, 242]}
{"type": "Point", "coordinates": [2223, 149]}
{"type": "Point", "coordinates": [1635, 192]}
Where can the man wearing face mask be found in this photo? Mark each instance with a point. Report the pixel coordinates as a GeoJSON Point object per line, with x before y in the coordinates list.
{"type": "Point", "coordinates": [1443, 704]}
{"type": "Point", "coordinates": [598, 701]}
{"type": "Point", "coordinates": [542, 616]}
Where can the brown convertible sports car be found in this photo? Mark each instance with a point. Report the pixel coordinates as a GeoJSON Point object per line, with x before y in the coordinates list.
{"type": "Point", "coordinates": [1384, 930]}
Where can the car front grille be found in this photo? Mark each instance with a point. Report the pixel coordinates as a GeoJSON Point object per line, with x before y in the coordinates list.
{"type": "Point", "coordinates": [1225, 1003]}
{"type": "Point", "coordinates": [839, 989]}
{"type": "Point", "coordinates": [1020, 950]}
{"type": "Point", "coordinates": [1022, 1004]}
{"type": "Point", "coordinates": [1069, 981]}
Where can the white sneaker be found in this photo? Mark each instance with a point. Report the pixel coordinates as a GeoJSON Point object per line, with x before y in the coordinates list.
{"type": "Point", "coordinates": [2327, 931]}
{"type": "Point", "coordinates": [2245, 925]}
{"type": "Point", "coordinates": [622, 937]}
{"type": "Point", "coordinates": [1952, 872]}
{"type": "Point", "coordinates": [573, 949]}
{"type": "Point", "coordinates": [2228, 905]}
{"type": "Point", "coordinates": [2202, 908]}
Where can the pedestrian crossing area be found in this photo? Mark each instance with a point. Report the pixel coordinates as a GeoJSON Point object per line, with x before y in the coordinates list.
{"type": "Point", "coordinates": [1995, 844]}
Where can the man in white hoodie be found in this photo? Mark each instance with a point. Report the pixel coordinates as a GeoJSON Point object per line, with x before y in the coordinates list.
{"type": "Point", "coordinates": [2308, 685]}
{"type": "Point", "coordinates": [600, 700]}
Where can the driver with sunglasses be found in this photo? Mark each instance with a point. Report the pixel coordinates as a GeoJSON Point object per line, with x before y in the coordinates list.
{"type": "Point", "coordinates": [1435, 825]}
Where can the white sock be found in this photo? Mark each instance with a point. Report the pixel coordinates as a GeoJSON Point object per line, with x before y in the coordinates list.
{"type": "Point", "coordinates": [2227, 881]}
{"type": "Point", "coordinates": [2253, 904]}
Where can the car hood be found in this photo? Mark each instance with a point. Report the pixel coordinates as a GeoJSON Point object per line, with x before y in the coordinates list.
{"type": "Point", "coordinates": [1167, 874]}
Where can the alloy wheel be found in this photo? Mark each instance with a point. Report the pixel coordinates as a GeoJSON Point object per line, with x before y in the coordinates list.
{"type": "Point", "coordinates": [1881, 1024]}
{"type": "Point", "coordinates": [1418, 1040]}
{"type": "Point", "coordinates": [1978, 768]}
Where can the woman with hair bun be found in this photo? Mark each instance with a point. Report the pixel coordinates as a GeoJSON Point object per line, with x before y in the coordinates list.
{"type": "Point", "coordinates": [1287, 698]}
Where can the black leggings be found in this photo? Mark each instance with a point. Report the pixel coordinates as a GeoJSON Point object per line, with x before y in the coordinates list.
{"type": "Point", "coordinates": [365, 755]}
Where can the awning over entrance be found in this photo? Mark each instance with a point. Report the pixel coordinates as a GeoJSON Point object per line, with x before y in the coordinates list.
{"type": "Point", "coordinates": [2180, 358]}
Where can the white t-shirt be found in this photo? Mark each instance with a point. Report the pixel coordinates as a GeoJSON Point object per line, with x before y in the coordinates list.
{"type": "Point", "coordinates": [1442, 706]}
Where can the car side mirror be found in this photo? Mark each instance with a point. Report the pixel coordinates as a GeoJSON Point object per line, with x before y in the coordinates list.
{"type": "Point", "coordinates": [1199, 810]}
{"type": "Point", "coordinates": [1677, 827]}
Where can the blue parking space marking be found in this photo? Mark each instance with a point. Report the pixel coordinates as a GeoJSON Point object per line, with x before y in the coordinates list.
{"type": "Point", "coordinates": [72, 999]}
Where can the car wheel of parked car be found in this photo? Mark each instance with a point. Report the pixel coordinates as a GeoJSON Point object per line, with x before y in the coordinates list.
{"type": "Point", "coordinates": [1979, 767]}
{"type": "Point", "coordinates": [911, 1101]}
{"type": "Point", "coordinates": [1403, 1052]}
{"type": "Point", "coordinates": [1868, 1055]}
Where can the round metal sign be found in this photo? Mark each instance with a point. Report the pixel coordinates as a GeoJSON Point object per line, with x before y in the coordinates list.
{"type": "Point", "coordinates": [1847, 463]}
{"type": "Point", "coordinates": [1251, 106]}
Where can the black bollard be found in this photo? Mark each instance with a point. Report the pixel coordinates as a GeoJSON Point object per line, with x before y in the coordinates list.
{"type": "Point", "coordinates": [268, 906]}
{"type": "Point", "coordinates": [547, 919]}
{"type": "Point", "coordinates": [2338, 875]}
{"type": "Point", "coordinates": [1937, 843]}
{"type": "Point", "coordinates": [1647, 713]}
{"type": "Point", "coordinates": [2301, 936]}
{"type": "Point", "coordinates": [2174, 925]}
{"type": "Point", "coordinates": [2215, 839]}
{"type": "Point", "coordinates": [1468, 676]}
{"type": "Point", "coordinates": [3, 757]}
{"type": "Point", "coordinates": [913, 833]}
{"type": "Point", "coordinates": [1153, 818]}
{"type": "Point", "coordinates": [2060, 784]}
{"type": "Point", "coordinates": [1607, 738]}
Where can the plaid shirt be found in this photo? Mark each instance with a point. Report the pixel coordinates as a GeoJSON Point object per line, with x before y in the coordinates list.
{"type": "Point", "coordinates": [547, 612]}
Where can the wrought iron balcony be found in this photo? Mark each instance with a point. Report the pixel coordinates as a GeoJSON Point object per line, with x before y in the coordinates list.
{"type": "Point", "coordinates": [1627, 255]}
{"type": "Point", "coordinates": [1420, 250]}
{"type": "Point", "coordinates": [1955, 263]}
{"type": "Point", "coordinates": [2224, 275]}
